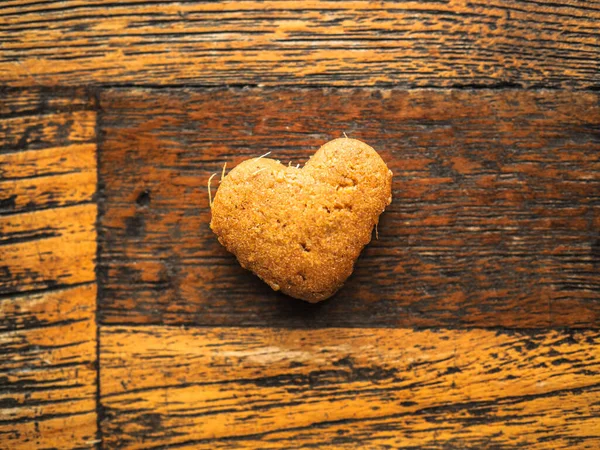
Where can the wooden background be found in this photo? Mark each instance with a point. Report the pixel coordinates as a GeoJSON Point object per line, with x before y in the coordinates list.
{"type": "Point", "coordinates": [472, 322]}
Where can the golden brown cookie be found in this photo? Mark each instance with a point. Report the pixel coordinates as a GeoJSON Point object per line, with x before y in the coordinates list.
{"type": "Point", "coordinates": [301, 230]}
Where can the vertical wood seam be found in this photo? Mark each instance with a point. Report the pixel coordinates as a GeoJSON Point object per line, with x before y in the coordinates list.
{"type": "Point", "coordinates": [99, 410]}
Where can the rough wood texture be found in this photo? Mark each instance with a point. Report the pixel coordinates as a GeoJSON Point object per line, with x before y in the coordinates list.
{"type": "Point", "coordinates": [47, 251]}
{"type": "Point", "coordinates": [495, 219]}
{"type": "Point", "coordinates": [47, 369]}
{"type": "Point", "coordinates": [348, 388]}
{"type": "Point", "coordinates": [441, 43]}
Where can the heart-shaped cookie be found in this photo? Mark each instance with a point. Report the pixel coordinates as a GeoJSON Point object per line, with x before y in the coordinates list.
{"type": "Point", "coordinates": [301, 230]}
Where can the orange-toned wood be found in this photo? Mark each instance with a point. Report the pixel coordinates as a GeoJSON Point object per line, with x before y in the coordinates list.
{"type": "Point", "coordinates": [47, 248]}
{"type": "Point", "coordinates": [47, 369]}
{"type": "Point", "coordinates": [495, 219]}
{"type": "Point", "coordinates": [433, 43]}
{"type": "Point", "coordinates": [348, 388]}
{"type": "Point", "coordinates": [47, 280]}
{"type": "Point", "coordinates": [38, 130]}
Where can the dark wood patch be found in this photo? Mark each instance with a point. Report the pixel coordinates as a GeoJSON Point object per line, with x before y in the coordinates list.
{"type": "Point", "coordinates": [495, 218]}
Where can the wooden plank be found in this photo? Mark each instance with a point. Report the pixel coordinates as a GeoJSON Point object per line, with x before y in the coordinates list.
{"type": "Point", "coordinates": [409, 43]}
{"type": "Point", "coordinates": [48, 369]}
{"type": "Point", "coordinates": [47, 248]}
{"type": "Point", "coordinates": [47, 276]}
{"type": "Point", "coordinates": [31, 102]}
{"type": "Point", "coordinates": [348, 388]}
{"type": "Point", "coordinates": [38, 130]}
{"type": "Point", "coordinates": [47, 150]}
{"type": "Point", "coordinates": [74, 158]}
{"type": "Point", "coordinates": [495, 219]}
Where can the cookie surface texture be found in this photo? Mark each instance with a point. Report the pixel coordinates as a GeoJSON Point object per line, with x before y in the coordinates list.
{"type": "Point", "coordinates": [301, 229]}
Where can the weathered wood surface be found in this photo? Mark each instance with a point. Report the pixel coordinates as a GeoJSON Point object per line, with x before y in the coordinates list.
{"type": "Point", "coordinates": [48, 381]}
{"type": "Point", "coordinates": [495, 219]}
{"type": "Point", "coordinates": [348, 388]}
{"type": "Point", "coordinates": [409, 43]}
{"type": "Point", "coordinates": [48, 369]}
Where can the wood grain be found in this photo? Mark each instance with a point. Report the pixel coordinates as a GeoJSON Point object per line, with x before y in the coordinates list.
{"type": "Point", "coordinates": [348, 388]}
{"type": "Point", "coordinates": [48, 370]}
{"type": "Point", "coordinates": [495, 219]}
{"type": "Point", "coordinates": [47, 248]}
{"type": "Point", "coordinates": [434, 43]}
{"type": "Point", "coordinates": [47, 275]}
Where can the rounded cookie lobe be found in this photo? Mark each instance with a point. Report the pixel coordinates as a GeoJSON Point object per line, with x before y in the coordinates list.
{"type": "Point", "coordinates": [301, 230]}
